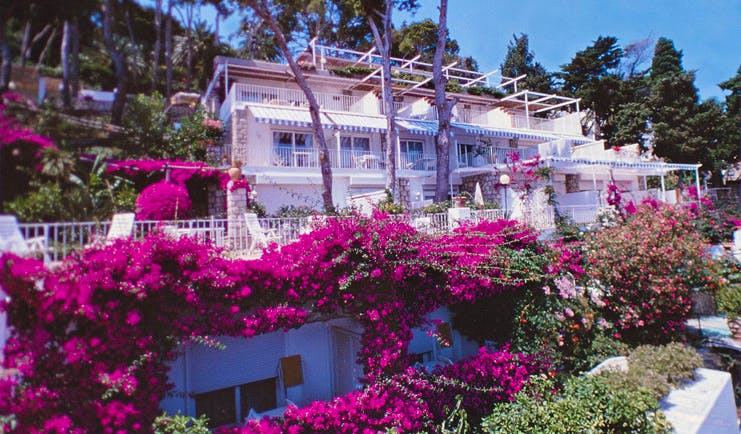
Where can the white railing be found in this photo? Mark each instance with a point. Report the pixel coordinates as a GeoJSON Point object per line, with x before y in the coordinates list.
{"type": "Point", "coordinates": [417, 161]}
{"type": "Point", "coordinates": [579, 214]}
{"type": "Point", "coordinates": [504, 155]}
{"type": "Point", "coordinates": [243, 92]}
{"type": "Point", "coordinates": [309, 157]}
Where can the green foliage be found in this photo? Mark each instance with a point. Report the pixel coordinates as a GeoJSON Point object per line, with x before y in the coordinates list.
{"type": "Point", "coordinates": [728, 297]}
{"type": "Point", "coordinates": [421, 38]}
{"type": "Point", "coordinates": [294, 211]}
{"type": "Point", "coordinates": [352, 71]}
{"type": "Point", "coordinates": [483, 90]}
{"type": "Point", "coordinates": [586, 404]}
{"type": "Point", "coordinates": [674, 362]}
{"type": "Point", "coordinates": [258, 208]}
{"type": "Point", "coordinates": [592, 75]}
{"type": "Point", "coordinates": [189, 141]}
{"type": "Point", "coordinates": [42, 205]}
{"type": "Point", "coordinates": [180, 424]}
{"type": "Point", "coordinates": [437, 207]}
{"type": "Point", "coordinates": [146, 125]}
{"type": "Point", "coordinates": [520, 60]}
{"type": "Point", "coordinates": [388, 205]}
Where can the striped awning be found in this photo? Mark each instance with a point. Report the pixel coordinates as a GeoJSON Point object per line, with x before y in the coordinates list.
{"type": "Point", "coordinates": [418, 126]}
{"type": "Point", "coordinates": [617, 164]}
{"type": "Point", "coordinates": [430, 128]}
{"type": "Point", "coordinates": [298, 117]}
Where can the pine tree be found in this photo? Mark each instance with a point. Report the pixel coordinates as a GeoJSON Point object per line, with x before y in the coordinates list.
{"type": "Point", "coordinates": [592, 75]}
{"type": "Point", "coordinates": [673, 103]}
{"type": "Point", "coordinates": [520, 60]}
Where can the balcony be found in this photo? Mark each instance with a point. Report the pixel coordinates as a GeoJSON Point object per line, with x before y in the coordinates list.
{"type": "Point", "coordinates": [344, 159]}
{"type": "Point", "coordinates": [495, 156]}
{"type": "Point", "coordinates": [241, 93]}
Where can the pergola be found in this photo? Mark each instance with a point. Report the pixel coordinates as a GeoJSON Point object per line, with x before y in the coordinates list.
{"type": "Point", "coordinates": [644, 168]}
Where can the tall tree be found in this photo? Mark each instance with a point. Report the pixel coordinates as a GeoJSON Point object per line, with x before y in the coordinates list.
{"type": "Point", "coordinates": [443, 105]}
{"type": "Point", "coordinates": [421, 38]}
{"type": "Point", "coordinates": [592, 76]}
{"type": "Point", "coordinates": [380, 12]}
{"type": "Point", "coordinates": [733, 118]}
{"type": "Point", "coordinates": [118, 58]}
{"type": "Point", "coordinates": [520, 60]}
{"type": "Point", "coordinates": [168, 49]}
{"type": "Point", "coordinates": [265, 9]}
{"type": "Point", "coordinates": [157, 52]}
{"type": "Point", "coordinates": [673, 103]}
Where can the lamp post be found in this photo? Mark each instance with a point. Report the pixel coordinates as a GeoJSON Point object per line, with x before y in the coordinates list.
{"type": "Point", "coordinates": [505, 180]}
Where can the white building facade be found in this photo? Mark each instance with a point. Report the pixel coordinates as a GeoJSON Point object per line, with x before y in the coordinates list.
{"type": "Point", "coordinates": [268, 131]}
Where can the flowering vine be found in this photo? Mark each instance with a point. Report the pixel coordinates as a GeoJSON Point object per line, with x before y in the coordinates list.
{"type": "Point", "coordinates": [90, 339]}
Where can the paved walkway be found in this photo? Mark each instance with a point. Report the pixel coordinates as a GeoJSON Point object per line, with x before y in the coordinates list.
{"type": "Point", "coordinates": [715, 331]}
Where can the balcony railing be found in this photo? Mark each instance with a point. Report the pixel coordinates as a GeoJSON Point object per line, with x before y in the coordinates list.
{"type": "Point", "coordinates": [64, 238]}
{"type": "Point", "coordinates": [309, 157]}
{"type": "Point", "coordinates": [496, 155]}
{"type": "Point", "coordinates": [243, 93]}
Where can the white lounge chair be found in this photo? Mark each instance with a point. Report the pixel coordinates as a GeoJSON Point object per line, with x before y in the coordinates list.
{"type": "Point", "coordinates": [259, 237]}
{"type": "Point", "coordinates": [11, 238]}
{"type": "Point", "coordinates": [122, 226]}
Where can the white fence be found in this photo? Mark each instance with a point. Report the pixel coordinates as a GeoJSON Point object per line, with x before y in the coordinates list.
{"type": "Point", "coordinates": [62, 239]}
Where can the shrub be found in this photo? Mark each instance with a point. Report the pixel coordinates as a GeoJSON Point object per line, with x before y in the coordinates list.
{"type": "Point", "coordinates": [163, 201]}
{"type": "Point", "coordinates": [728, 297]}
{"type": "Point", "coordinates": [180, 424]}
{"type": "Point", "coordinates": [646, 268]}
{"type": "Point", "coordinates": [586, 404]}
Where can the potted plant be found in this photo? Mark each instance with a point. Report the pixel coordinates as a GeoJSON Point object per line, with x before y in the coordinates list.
{"type": "Point", "coordinates": [461, 200]}
{"type": "Point", "coordinates": [729, 295]}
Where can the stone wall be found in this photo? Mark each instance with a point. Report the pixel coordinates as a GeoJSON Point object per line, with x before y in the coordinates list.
{"type": "Point", "coordinates": [236, 206]}
{"type": "Point", "coordinates": [216, 200]}
{"type": "Point", "coordinates": [239, 136]}
{"type": "Point", "coordinates": [487, 182]}
{"type": "Point", "coordinates": [405, 193]}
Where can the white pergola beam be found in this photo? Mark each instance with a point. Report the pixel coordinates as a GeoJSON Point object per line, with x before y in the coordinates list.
{"type": "Point", "coordinates": [480, 78]}
{"type": "Point", "coordinates": [368, 54]}
{"type": "Point", "coordinates": [551, 107]}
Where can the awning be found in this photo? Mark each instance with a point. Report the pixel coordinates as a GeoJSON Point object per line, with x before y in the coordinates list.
{"type": "Point", "coordinates": [297, 117]}
{"type": "Point", "coordinates": [418, 126]}
{"type": "Point", "coordinates": [657, 166]}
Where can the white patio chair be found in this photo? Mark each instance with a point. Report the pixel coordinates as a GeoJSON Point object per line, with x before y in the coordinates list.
{"type": "Point", "coordinates": [11, 239]}
{"type": "Point", "coordinates": [122, 226]}
{"type": "Point", "coordinates": [259, 237]}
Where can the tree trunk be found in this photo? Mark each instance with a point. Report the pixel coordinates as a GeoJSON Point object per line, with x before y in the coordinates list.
{"type": "Point", "coordinates": [25, 42]}
{"type": "Point", "coordinates": [261, 9]}
{"type": "Point", "coordinates": [26, 54]}
{"type": "Point", "coordinates": [189, 51]}
{"type": "Point", "coordinates": [157, 44]}
{"type": "Point", "coordinates": [119, 64]}
{"type": "Point", "coordinates": [74, 81]}
{"type": "Point", "coordinates": [5, 67]}
{"type": "Point", "coordinates": [65, 52]}
{"type": "Point", "coordinates": [168, 50]}
{"type": "Point", "coordinates": [42, 55]}
{"type": "Point", "coordinates": [383, 45]}
{"type": "Point", "coordinates": [444, 109]}
{"type": "Point", "coordinates": [216, 27]}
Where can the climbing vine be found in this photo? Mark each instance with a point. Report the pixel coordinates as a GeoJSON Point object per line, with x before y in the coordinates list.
{"type": "Point", "coordinates": [90, 339]}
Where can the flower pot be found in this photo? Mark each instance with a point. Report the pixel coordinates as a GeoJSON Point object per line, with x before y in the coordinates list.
{"type": "Point", "coordinates": [459, 201]}
{"type": "Point", "coordinates": [735, 327]}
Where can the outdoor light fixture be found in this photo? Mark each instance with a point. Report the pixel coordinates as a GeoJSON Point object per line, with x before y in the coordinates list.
{"type": "Point", "coordinates": [505, 180]}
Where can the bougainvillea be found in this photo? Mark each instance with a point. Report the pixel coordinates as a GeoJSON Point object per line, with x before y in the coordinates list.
{"type": "Point", "coordinates": [646, 269]}
{"type": "Point", "coordinates": [90, 339]}
{"type": "Point", "coordinates": [413, 400]}
{"type": "Point", "coordinates": [180, 171]}
{"type": "Point", "coordinates": [163, 200]}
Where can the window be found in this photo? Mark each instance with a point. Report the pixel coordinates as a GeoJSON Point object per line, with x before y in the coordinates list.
{"type": "Point", "coordinates": [220, 406]}
{"type": "Point", "coordinates": [356, 144]}
{"type": "Point", "coordinates": [465, 155]}
{"type": "Point", "coordinates": [411, 154]}
{"type": "Point", "coordinates": [292, 149]}
{"type": "Point", "coordinates": [258, 396]}
{"type": "Point", "coordinates": [291, 140]}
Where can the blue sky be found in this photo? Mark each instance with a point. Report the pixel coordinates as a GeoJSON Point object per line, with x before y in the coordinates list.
{"type": "Point", "coordinates": [708, 32]}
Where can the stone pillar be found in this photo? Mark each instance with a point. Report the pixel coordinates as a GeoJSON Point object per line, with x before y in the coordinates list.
{"type": "Point", "coordinates": [236, 207]}
{"type": "Point", "coordinates": [405, 193]}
